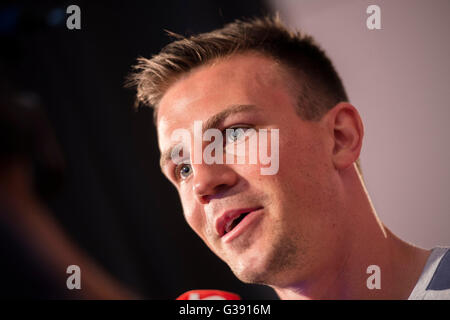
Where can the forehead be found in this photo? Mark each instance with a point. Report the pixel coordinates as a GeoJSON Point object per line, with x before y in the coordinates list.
{"type": "Point", "coordinates": [239, 79]}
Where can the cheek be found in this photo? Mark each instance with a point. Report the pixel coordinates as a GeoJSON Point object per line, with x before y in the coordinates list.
{"type": "Point", "coordinates": [302, 154]}
{"type": "Point", "coordinates": [303, 174]}
{"type": "Point", "coordinates": [191, 211]}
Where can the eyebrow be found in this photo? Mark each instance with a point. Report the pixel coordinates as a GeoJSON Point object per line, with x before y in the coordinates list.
{"type": "Point", "coordinates": [213, 122]}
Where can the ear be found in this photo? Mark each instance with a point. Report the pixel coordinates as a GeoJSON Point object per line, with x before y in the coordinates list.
{"type": "Point", "coordinates": [347, 131]}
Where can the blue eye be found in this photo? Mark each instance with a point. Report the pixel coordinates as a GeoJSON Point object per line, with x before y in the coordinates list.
{"type": "Point", "coordinates": [184, 170]}
{"type": "Point", "coordinates": [233, 135]}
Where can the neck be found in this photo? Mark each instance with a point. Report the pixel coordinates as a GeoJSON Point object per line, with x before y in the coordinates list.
{"type": "Point", "coordinates": [369, 243]}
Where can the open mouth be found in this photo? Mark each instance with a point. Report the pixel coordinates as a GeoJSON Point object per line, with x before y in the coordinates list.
{"type": "Point", "coordinates": [231, 219]}
{"type": "Point", "coordinates": [233, 223]}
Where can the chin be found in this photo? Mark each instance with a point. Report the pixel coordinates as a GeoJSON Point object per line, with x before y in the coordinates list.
{"type": "Point", "coordinates": [253, 272]}
{"type": "Point", "coordinates": [271, 268]}
{"type": "Point", "coordinates": [252, 276]}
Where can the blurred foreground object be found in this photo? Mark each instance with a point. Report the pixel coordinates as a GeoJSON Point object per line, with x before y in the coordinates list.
{"type": "Point", "coordinates": [35, 250]}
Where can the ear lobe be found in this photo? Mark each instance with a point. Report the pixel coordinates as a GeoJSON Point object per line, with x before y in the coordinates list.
{"type": "Point", "coordinates": [348, 132]}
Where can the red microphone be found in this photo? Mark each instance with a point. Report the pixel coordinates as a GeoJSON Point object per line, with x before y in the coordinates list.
{"type": "Point", "coordinates": [208, 295]}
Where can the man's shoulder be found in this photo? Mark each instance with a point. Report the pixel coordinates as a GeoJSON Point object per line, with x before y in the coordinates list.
{"type": "Point", "coordinates": [434, 282]}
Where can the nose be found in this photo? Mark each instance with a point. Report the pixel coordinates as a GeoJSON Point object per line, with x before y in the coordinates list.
{"type": "Point", "coordinates": [212, 180]}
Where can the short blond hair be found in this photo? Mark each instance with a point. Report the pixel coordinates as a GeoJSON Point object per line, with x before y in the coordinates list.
{"type": "Point", "coordinates": [320, 89]}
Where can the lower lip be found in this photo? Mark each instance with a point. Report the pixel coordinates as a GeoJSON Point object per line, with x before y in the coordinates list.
{"type": "Point", "coordinates": [242, 226]}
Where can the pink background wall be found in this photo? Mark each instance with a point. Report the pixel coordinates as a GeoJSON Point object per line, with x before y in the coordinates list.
{"type": "Point", "coordinates": [399, 79]}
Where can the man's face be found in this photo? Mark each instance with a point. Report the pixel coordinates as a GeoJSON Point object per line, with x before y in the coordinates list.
{"type": "Point", "coordinates": [291, 228]}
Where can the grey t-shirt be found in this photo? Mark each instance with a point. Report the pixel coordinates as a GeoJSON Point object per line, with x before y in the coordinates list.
{"type": "Point", "coordinates": [434, 282]}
